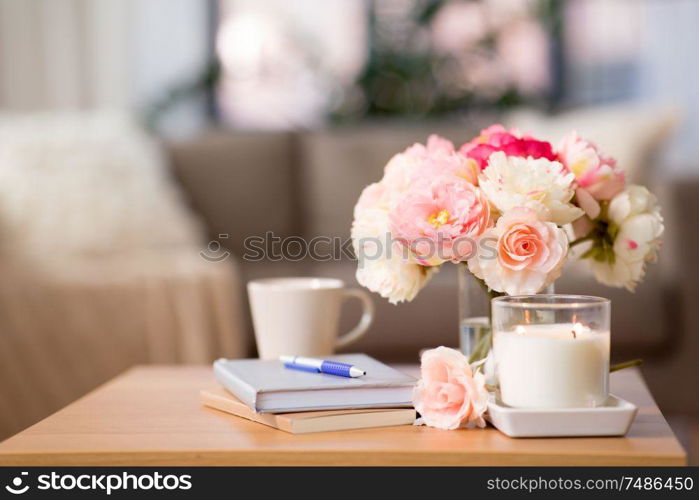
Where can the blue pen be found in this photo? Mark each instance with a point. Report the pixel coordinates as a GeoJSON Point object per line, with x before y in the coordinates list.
{"type": "Point", "coordinates": [321, 366]}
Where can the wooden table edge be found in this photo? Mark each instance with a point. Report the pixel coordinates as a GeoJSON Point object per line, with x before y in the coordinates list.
{"type": "Point", "coordinates": [327, 458]}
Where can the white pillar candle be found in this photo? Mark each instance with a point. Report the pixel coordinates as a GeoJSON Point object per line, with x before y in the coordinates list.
{"type": "Point", "coordinates": [561, 365]}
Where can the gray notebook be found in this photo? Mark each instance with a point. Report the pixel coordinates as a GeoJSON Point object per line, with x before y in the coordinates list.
{"type": "Point", "coordinates": [268, 387]}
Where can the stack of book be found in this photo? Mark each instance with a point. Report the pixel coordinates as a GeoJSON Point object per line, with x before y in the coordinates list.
{"type": "Point", "coordinates": [301, 402]}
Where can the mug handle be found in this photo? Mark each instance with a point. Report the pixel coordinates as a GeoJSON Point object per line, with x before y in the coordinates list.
{"type": "Point", "coordinates": [364, 322]}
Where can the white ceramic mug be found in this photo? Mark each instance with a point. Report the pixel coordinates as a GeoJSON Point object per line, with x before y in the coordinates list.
{"type": "Point", "coordinates": [300, 316]}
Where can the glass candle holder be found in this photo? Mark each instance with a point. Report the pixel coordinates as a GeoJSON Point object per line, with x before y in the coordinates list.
{"type": "Point", "coordinates": [551, 351]}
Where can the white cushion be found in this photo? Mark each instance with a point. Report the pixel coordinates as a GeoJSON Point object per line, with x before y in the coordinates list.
{"type": "Point", "coordinates": [86, 184]}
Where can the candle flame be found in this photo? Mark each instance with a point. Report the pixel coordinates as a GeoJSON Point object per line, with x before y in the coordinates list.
{"type": "Point", "coordinates": [578, 328]}
{"type": "Point", "coordinates": [520, 330]}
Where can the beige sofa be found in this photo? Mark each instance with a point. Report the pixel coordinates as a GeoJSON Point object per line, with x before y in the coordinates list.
{"type": "Point", "coordinates": [305, 184]}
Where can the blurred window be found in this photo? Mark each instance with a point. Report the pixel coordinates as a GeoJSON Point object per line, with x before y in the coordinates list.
{"type": "Point", "coordinates": [298, 64]}
{"type": "Point", "coordinates": [602, 44]}
{"type": "Point", "coordinates": [283, 62]}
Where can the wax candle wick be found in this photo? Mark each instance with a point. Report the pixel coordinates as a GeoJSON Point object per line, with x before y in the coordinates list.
{"type": "Point", "coordinates": [573, 332]}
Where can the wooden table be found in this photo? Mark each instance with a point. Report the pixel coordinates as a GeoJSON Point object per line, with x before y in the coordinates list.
{"type": "Point", "coordinates": [152, 416]}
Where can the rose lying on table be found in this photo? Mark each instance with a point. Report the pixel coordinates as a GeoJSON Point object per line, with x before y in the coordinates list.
{"type": "Point", "coordinates": [452, 392]}
{"type": "Point", "coordinates": [449, 393]}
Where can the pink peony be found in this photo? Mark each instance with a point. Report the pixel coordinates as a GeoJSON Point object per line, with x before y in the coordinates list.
{"type": "Point", "coordinates": [422, 162]}
{"type": "Point", "coordinates": [596, 173]}
{"type": "Point", "coordinates": [437, 144]}
{"type": "Point", "coordinates": [512, 143]}
{"type": "Point", "coordinates": [440, 220]}
{"type": "Point", "coordinates": [528, 253]}
{"type": "Point", "coordinates": [449, 393]}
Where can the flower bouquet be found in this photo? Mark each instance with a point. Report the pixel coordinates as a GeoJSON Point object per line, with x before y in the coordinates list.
{"type": "Point", "coordinates": [510, 207]}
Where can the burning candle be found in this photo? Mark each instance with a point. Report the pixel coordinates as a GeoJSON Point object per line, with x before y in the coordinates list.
{"type": "Point", "coordinates": [552, 351]}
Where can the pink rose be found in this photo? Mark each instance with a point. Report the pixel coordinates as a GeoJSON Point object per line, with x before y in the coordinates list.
{"type": "Point", "coordinates": [440, 220]}
{"type": "Point", "coordinates": [512, 143]}
{"type": "Point", "coordinates": [449, 393]}
{"type": "Point", "coordinates": [529, 253]}
{"type": "Point", "coordinates": [598, 174]}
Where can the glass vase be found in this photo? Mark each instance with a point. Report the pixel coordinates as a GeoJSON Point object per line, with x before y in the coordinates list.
{"type": "Point", "coordinates": [474, 312]}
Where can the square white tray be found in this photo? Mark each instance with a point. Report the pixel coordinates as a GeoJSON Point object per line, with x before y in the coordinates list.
{"type": "Point", "coordinates": [612, 419]}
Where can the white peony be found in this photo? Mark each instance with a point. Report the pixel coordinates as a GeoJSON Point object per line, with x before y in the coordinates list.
{"type": "Point", "coordinates": [538, 184]}
{"type": "Point", "coordinates": [383, 266]}
{"type": "Point", "coordinates": [637, 241]}
{"type": "Point", "coordinates": [633, 200]}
